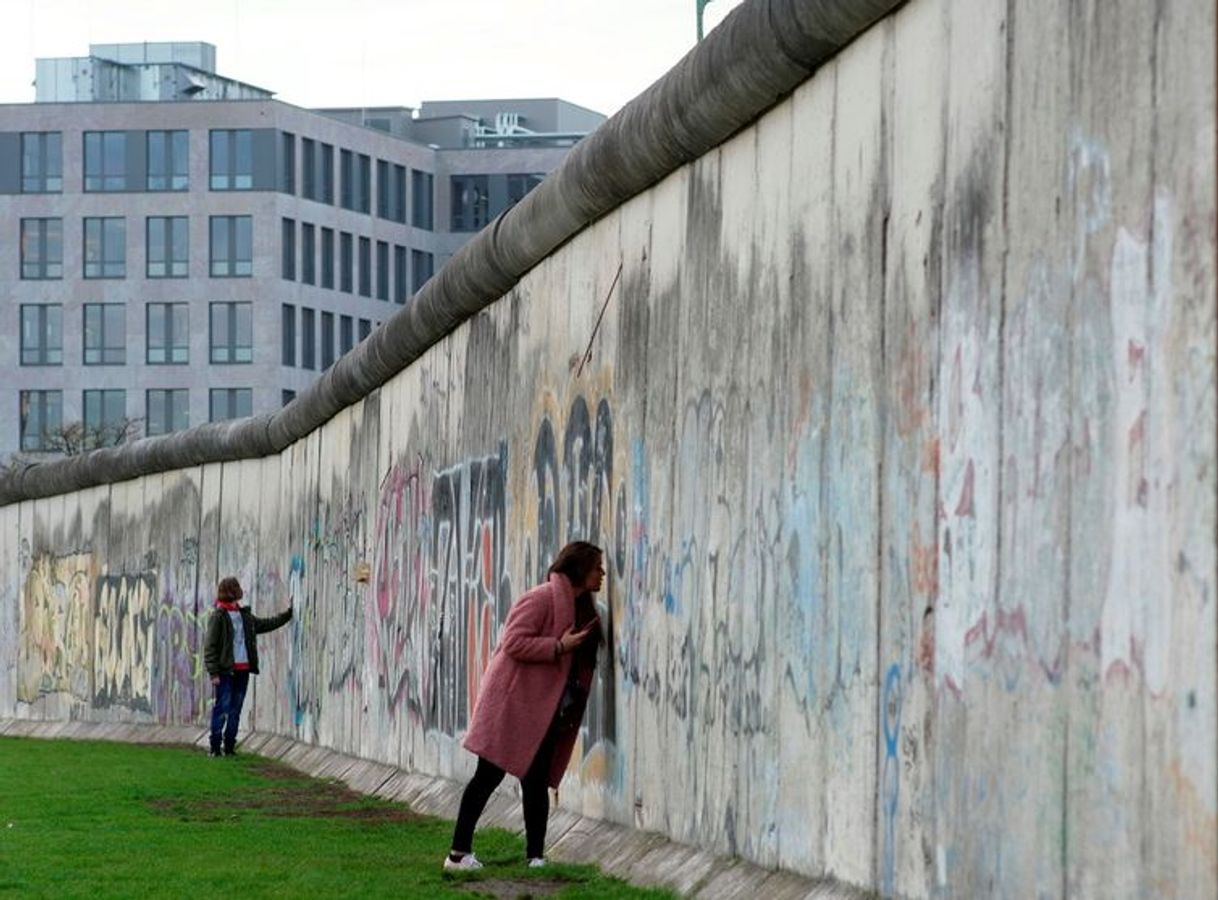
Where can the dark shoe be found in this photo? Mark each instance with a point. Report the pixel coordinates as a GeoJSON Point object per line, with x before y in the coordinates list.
{"type": "Point", "coordinates": [230, 751]}
{"type": "Point", "coordinates": [214, 753]}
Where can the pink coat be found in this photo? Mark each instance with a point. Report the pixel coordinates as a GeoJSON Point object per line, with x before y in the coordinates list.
{"type": "Point", "coordinates": [524, 683]}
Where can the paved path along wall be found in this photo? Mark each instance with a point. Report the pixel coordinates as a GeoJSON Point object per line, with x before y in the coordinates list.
{"type": "Point", "coordinates": [897, 425]}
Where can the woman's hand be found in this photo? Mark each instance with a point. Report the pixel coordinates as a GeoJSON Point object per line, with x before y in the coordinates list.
{"type": "Point", "coordinates": [571, 638]}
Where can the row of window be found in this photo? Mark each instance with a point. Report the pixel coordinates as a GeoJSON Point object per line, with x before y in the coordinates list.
{"type": "Point", "coordinates": [105, 421]}
{"type": "Point", "coordinates": [167, 244]}
{"type": "Point", "coordinates": [422, 262]}
{"type": "Point", "coordinates": [308, 346]}
{"type": "Point", "coordinates": [104, 335]}
{"type": "Point", "coordinates": [108, 166]}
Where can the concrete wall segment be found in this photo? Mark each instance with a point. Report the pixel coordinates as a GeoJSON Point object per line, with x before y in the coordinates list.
{"type": "Point", "coordinates": [911, 553]}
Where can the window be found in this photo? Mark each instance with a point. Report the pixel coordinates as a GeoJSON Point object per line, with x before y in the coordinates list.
{"type": "Point", "coordinates": [232, 333]}
{"type": "Point", "coordinates": [422, 263]}
{"type": "Point", "coordinates": [105, 418]}
{"type": "Point", "coordinates": [168, 246]}
{"type": "Point", "coordinates": [42, 335]}
{"type": "Point", "coordinates": [346, 335]}
{"type": "Point", "coordinates": [41, 162]}
{"type": "Point", "coordinates": [41, 415]}
{"type": "Point", "coordinates": [365, 328]}
{"type": "Point", "coordinates": [308, 168]}
{"type": "Point", "coordinates": [288, 335]}
{"type": "Point", "coordinates": [327, 258]}
{"type": "Point", "coordinates": [42, 248]}
{"type": "Point", "coordinates": [168, 334]}
{"type": "Point", "coordinates": [346, 179]}
{"type": "Point", "coordinates": [518, 186]}
{"type": "Point", "coordinates": [105, 160]}
{"type": "Point", "coordinates": [308, 340]}
{"type": "Point", "coordinates": [232, 160]}
{"type": "Point", "coordinates": [397, 195]}
{"type": "Point", "coordinates": [327, 340]}
{"type": "Point", "coordinates": [345, 261]}
{"type": "Point", "coordinates": [399, 274]}
{"type": "Point", "coordinates": [289, 249]}
{"type": "Point", "coordinates": [105, 334]}
{"type": "Point", "coordinates": [166, 411]}
{"type": "Point", "coordinates": [287, 179]}
{"type": "Point", "coordinates": [471, 202]}
{"type": "Point", "coordinates": [286, 397]}
{"type": "Point", "coordinates": [231, 403]}
{"type": "Point", "coordinates": [365, 184]}
{"type": "Point", "coordinates": [327, 173]}
{"type": "Point", "coordinates": [365, 267]}
{"type": "Point", "coordinates": [382, 189]}
{"type": "Point", "coordinates": [106, 248]}
{"type": "Point", "coordinates": [232, 246]}
{"type": "Point", "coordinates": [382, 270]}
{"type": "Point", "coordinates": [308, 254]}
{"type": "Point", "coordinates": [421, 190]}
{"type": "Point", "coordinates": [168, 161]}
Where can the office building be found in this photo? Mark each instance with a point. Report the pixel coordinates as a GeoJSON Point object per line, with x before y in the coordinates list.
{"type": "Point", "coordinates": [186, 248]}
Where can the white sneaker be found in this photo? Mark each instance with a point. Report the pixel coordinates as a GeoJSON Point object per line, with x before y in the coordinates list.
{"type": "Point", "coordinates": [468, 863]}
{"type": "Point", "coordinates": [537, 862]}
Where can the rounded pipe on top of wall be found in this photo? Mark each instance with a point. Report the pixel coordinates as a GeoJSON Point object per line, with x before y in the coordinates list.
{"type": "Point", "coordinates": [759, 54]}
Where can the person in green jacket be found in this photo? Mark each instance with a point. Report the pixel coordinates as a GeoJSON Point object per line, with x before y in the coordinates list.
{"type": "Point", "coordinates": [230, 653]}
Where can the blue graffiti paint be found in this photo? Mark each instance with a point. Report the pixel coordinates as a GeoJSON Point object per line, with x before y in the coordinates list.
{"type": "Point", "coordinates": [890, 787]}
{"type": "Point", "coordinates": [296, 574]}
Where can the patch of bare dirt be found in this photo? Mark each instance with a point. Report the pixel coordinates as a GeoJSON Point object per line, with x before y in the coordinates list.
{"type": "Point", "coordinates": [516, 888]}
{"type": "Point", "coordinates": [293, 796]}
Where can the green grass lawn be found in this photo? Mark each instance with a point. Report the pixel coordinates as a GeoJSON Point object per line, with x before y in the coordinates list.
{"type": "Point", "coordinates": [96, 819]}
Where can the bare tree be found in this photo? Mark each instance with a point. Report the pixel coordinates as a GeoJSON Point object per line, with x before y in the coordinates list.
{"type": "Point", "coordinates": [74, 438]}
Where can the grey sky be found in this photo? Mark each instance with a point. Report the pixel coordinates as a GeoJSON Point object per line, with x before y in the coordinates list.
{"type": "Point", "coordinates": [381, 52]}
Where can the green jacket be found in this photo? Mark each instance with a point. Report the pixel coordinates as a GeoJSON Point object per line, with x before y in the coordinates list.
{"type": "Point", "coordinates": [218, 645]}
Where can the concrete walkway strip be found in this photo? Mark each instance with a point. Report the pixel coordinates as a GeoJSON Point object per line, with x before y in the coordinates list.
{"type": "Point", "coordinates": [642, 858]}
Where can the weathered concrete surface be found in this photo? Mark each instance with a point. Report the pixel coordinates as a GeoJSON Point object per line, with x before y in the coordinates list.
{"type": "Point", "coordinates": [899, 432]}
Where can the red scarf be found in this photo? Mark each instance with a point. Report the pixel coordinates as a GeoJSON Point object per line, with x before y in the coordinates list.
{"type": "Point", "coordinates": [230, 605]}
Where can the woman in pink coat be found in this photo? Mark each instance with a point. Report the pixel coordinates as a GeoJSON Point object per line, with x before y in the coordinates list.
{"type": "Point", "coordinates": [533, 697]}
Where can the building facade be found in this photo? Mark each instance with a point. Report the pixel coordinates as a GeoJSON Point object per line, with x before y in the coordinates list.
{"type": "Point", "coordinates": [178, 258]}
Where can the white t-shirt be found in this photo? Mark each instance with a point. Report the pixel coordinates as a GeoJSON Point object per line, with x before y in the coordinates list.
{"type": "Point", "coordinates": [241, 656]}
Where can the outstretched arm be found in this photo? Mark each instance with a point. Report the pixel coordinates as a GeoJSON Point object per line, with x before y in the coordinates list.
{"type": "Point", "coordinates": [272, 622]}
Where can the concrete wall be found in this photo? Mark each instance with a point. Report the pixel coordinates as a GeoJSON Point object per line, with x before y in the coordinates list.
{"type": "Point", "coordinates": [898, 429]}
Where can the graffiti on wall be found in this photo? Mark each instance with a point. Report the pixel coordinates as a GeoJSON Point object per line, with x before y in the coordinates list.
{"type": "Point", "coordinates": [176, 695]}
{"type": "Point", "coordinates": [472, 591]}
{"type": "Point", "coordinates": [400, 600]}
{"type": "Point", "coordinates": [56, 627]}
{"type": "Point", "coordinates": [441, 587]}
{"type": "Point", "coordinates": [125, 628]}
{"type": "Point", "coordinates": [327, 656]}
{"type": "Point", "coordinates": [573, 484]}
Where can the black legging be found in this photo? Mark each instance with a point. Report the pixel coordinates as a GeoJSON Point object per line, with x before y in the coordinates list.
{"type": "Point", "coordinates": [534, 796]}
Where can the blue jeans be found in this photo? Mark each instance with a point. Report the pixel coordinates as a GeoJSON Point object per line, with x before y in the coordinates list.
{"type": "Point", "coordinates": [226, 713]}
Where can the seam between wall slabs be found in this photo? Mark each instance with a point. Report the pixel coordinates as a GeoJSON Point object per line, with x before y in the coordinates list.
{"type": "Point", "coordinates": [887, 102]}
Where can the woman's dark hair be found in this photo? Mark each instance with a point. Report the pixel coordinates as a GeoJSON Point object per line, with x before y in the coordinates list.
{"type": "Point", "coordinates": [577, 561]}
{"type": "Point", "coordinates": [229, 590]}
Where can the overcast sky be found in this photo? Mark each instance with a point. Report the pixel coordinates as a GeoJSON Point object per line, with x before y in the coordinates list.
{"type": "Point", "coordinates": [380, 52]}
